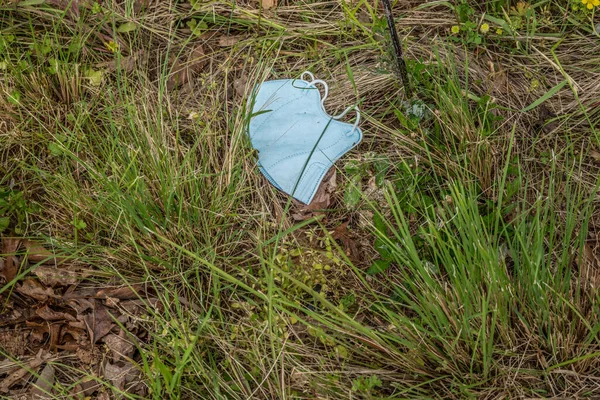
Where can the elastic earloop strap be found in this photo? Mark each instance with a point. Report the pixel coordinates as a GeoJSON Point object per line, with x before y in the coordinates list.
{"type": "Point", "coordinates": [312, 77]}
{"type": "Point", "coordinates": [315, 81]}
{"type": "Point", "coordinates": [355, 108]}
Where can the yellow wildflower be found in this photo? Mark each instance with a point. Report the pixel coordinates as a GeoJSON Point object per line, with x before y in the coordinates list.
{"type": "Point", "coordinates": [455, 29]}
{"type": "Point", "coordinates": [499, 31]}
{"type": "Point", "coordinates": [112, 46]}
{"type": "Point", "coordinates": [485, 28]}
{"type": "Point", "coordinates": [591, 3]}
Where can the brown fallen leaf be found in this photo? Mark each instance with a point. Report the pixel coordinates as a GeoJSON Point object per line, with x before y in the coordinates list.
{"type": "Point", "coordinates": [181, 72]}
{"type": "Point", "coordinates": [267, 4]}
{"type": "Point", "coordinates": [120, 346]}
{"type": "Point", "coordinates": [37, 253]}
{"type": "Point", "coordinates": [42, 388]}
{"type": "Point", "coordinates": [72, 333]}
{"type": "Point", "coordinates": [120, 376]}
{"type": "Point", "coordinates": [80, 293]}
{"type": "Point", "coordinates": [55, 330]}
{"type": "Point", "coordinates": [13, 316]}
{"type": "Point", "coordinates": [342, 234]}
{"type": "Point", "coordinates": [121, 293]}
{"type": "Point", "coordinates": [21, 372]}
{"type": "Point", "coordinates": [321, 200]}
{"type": "Point", "coordinates": [77, 325]}
{"type": "Point", "coordinates": [37, 332]}
{"type": "Point", "coordinates": [87, 356]}
{"type": "Point", "coordinates": [11, 263]}
{"type": "Point", "coordinates": [139, 308]}
{"type": "Point", "coordinates": [229, 40]}
{"type": "Point", "coordinates": [52, 276]}
{"type": "Point", "coordinates": [35, 290]}
{"type": "Point", "coordinates": [240, 85]}
{"type": "Point", "coordinates": [126, 64]}
{"type": "Point", "coordinates": [103, 396]}
{"type": "Point", "coordinates": [88, 385]}
{"type": "Point", "coordinates": [80, 305]}
{"type": "Point", "coordinates": [99, 323]}
{"type": "Point", "coordinates": [77, 392]}
{"type": "Point", "coordinates": [47, 314]}
{"type": "Point", "coordinates": [140, 5]}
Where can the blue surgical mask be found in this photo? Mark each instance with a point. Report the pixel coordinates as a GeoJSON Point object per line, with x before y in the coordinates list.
{"type": "Point", "coordinates": [296, 139]}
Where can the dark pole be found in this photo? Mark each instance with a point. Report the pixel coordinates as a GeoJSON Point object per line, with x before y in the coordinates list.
{"type": "Point", "coordinates": [397, 48]}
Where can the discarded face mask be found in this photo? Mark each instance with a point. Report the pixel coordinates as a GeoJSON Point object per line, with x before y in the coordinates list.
{"type": "Point", "coordinates": [297, 141]}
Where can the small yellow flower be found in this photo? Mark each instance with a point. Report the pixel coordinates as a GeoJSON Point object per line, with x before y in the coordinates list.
{"type": "Point", "coordinates": [499, 31]}
{"type": "Point", "coordinates": [112, 46]}
{"type": "Point", "coordinates": [455, 29]}
{"type": "Point", "coordinates": [485, 28]}
{"type": "Point", "coordinates": [591, 3]}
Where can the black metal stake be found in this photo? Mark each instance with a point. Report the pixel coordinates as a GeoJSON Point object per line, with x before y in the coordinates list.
{"type": "Point", "coordinates": [397, 48]}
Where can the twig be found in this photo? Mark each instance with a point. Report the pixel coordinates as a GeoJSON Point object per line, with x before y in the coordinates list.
{"type": "Point", "coordinates": [397, 48]}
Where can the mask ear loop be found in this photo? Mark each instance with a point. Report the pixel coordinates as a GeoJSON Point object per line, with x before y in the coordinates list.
{"type": "Point", "coordinates": [356, 110]}
{"type": "Point", "coordinates": [336, 117]}
{"type": "Point", "coordinates": [312, 77]}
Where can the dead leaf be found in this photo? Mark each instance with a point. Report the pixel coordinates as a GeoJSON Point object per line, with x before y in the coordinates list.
{"type": "Point", "coordinates": [99, 323]}
{"type": "Point", "coordinates": [35, 290]}
{"type": "Point", "coordinates": [342, 234]}
{"type": "Point", "coordinates": [81, 293]}
{"type": "Point", "coordinates": [126, 64]}
{"type": "Point", "coordinates": [139, 308]}
{"type": "Point", "coordinates": [77, 325]}
{"type": "Point", "coordinates": [120, 346]}
{"type": "Point", "coordinates": [37, 333]}
{"type": "Point", "coordinates": [80, 305]}
{"type": "Point", "coordinates": [47, 314]}
{"type": "Point", "coordinates": [321, 200]}
{"type": "Point", "coordinates": [140, 5]}
{"type": "Point", "coordinates": [121, 293]}
{"type": "Point", "coordinates": [11, 264]}
{"type": "Point", "coordinates": [120, 376]}
{"type": "Point", "coordinates": [90, 385]}
{"type": "Point", "coordinates": [21, 372]}
{"type": "Point", "coordinates": [37, 253]}
{"type": "Point", "coordinates": [86, 356]}
{"type": "Point", "coordinates": [240, 85]}
{"type": "Point", "coordinates": [181, 72]}
{"type": "Point", "coordinates": [54, 336]}
{"type": "Point", "coordinates": [52, 276]}
{"type": "Point", "coordinates": [42, 388]}
{"type": "Point", "coordinates": [103, 396]}
{"type": "Point", "coordinates": [14, 316]}
{"type": "Point", "coordinates": [72, 332]}
{"type": "Point", "coordinates": [267, 4]}
{"type": "Point", "coordinates": [10, 245]}
{"type": "Point", "coordinates": [363, 17]}
{"type": "Point", "coordinates": [545, 120]}
{"type": "Point", "coordinates": [77, 392]}
{"type": "Point", "coordinates": [228, 40]}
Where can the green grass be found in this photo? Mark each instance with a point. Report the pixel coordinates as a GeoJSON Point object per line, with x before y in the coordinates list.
{"type": "Point", "coordinates": [479, 209]}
